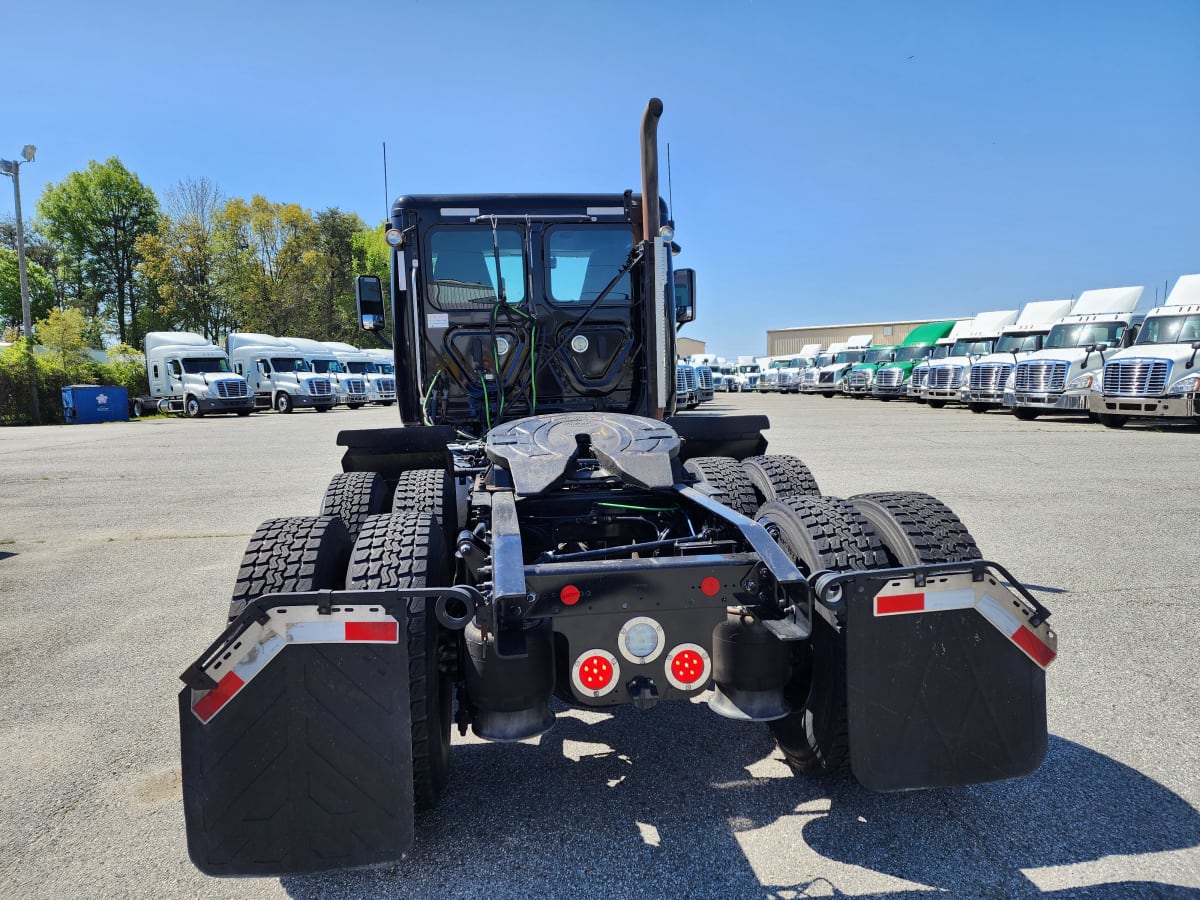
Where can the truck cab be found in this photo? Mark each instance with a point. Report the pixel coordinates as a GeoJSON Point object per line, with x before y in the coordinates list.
{"type": "Point", "coordinates": [892, 379]}
{"type": "Point", "coordinates": [187, 374]}
{"type": "Point", "coordinates": [945, 378]}
{"type": "Point", "coordinates": [1101, 322]}
{"type": "Point", "coordinates": [362, 366]}
{"type": "Point", "coordinates": [983, 383]}
{"type": "Point", "coordinates": [383, 382]}
{"type": "Point", "coordinates": [859, 379]}
{"type": "Point", "coordinates": [1158, 376]}
{"type": "Point", "coordinates": [830, 376]}
{"type": "Point", "coordinates": [746, 376]}
{"type": "Point", "coordinates": [348, 388]}
{"type": "Point", "coordinates": [278, 374]}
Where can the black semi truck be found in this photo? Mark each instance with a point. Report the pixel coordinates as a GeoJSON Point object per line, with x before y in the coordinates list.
{"type": "Point", "coordinates": [543, 530]}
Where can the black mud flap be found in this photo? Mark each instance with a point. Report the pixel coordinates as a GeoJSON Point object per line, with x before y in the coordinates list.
{"type": "Point", "coordinates": [298, 756]}
{"type": "Point", "coordinates": [945, 675]}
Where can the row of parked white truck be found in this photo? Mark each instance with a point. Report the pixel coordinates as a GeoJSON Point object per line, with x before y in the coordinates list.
{"type": "Point", "coordinates": [1093, 356]}
{"type": "Point", "coordinates": [188, 374]}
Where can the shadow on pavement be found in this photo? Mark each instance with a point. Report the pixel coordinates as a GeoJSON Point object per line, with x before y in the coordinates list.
{"type": "Point", "coordinates": [660, 803]}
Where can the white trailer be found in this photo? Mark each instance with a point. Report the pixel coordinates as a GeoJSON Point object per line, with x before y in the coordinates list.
{"type": "Point", "coordinates": [349, 388]}
{"type": "Point", "coordinates": [188, 375]}
{"type": "Point", "coordinates": [1049, 380]}
{"type": "Point", "coordinates": [381, 387]}
{"type": "Point", "coordinates": [983, 382]}
{"type": "Point", "coordinates": [944, 379]}
{"type": "Point", "coordinates": [1158, 376]}
{"type": "Point", "coordinates": [279, 375]}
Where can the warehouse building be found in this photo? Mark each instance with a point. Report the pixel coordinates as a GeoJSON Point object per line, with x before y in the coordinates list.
{"type": "Point", "coordinates": [782, 341]}
{"type": "Point", "coordinates": [686, 346]}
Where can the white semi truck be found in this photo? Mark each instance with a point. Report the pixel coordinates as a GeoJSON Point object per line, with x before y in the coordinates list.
{"type": "Point", "coordinates": [349, 388]}
{"type": "Point", "coordinates": [783, 374]}
{"type": "Point", "coordinates": [1048, 381]}
{"type": "Point", "coordinates": [829, 378]}
{"type": "Point", "coordinates": [945, 378]}
{"type": "Point", "coordinates": [381, 388]}
{"type": "Point", "coordinates": [385, 367]}
{"type": "Point", "coordinates": [1159, 376]}
{"type": "Point", "coordinates": [186, 374]}
{"type": "Point", "coordinates": [747, 374]}
{"type": "Point", "coordinates": [810, 375]}
{"type": "Point", "coordinates": [941, 350]}
{"type": "Point", "coordinates": [983, 383]}
{"type": "Point", "coordinates": [279, 375]}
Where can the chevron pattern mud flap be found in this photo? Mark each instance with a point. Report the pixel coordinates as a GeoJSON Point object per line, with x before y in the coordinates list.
{"type": "Point", "coordinates": [945, 679]}
{"type": "Point", "coordinates": [300, 758]}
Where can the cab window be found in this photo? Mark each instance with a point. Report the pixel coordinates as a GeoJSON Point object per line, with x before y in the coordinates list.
{"type": "Point", "coordinates": [582, 259]}
{"type": "Point", "coordinates": [463, 266]}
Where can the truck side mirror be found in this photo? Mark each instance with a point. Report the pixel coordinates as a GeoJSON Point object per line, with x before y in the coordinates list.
{"type": "Point", "coordinates": [685, 295]}
{"type": "Point", "coordinates": [368, 295]}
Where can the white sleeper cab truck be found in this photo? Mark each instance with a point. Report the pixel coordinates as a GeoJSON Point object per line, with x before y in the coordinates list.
{"type": "Point", "coordinates": [810, 375]}
{"type": "Point", "coordinates": [945, 378]}
{"type": "Point", "coordinates": [747, 375]}
{"type": "Point", "coordinates": [348, 388]}
{"type": "Point", "coordinates": [1050, 381]}
{"type": "Point", "coordinates": [984, 382]}
{"type": "Point", "coordinates": [1159, 376]}
{"type": "Point", "coordinates": [941, 350]}
{"type": "Point", "coordinates": [829, 378]}
{"type": "Point", "coordinates": [189, 375]}
{"type": "Point", "coordinates": [381, 388]}
{"type": "Point", "coordinates": [279, 375]}
{"type": "Point", "coordinates": [385, 368]}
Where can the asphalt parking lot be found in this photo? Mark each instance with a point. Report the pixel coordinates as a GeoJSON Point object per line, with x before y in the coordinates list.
{"type": "Point", "coordinates": [118, 549]}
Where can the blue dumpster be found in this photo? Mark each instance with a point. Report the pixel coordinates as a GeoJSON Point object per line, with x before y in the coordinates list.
{"type": "Point", "coordinates": [86, 404]}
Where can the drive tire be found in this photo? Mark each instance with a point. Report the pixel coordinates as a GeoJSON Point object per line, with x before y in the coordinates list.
{"type": "Point", "coordinates": [283, 402]}
{"type": "Point", "coordinates": [300, 553]}
{"type": "Point", "coordinates": [1025, 414]}
{"type": "Point", "coordinates": [777, 477]}
{"type": "Point", "coordinates": [137, 409]}
{"type": "Point", "coordinates": [191, 407]}
{"type": "Point", "coordinates": [725, 474]}
{"type": "Point", "coordinates": [429, 491]}
{"type": "Point", "coordinates": [916, 528]}
{"type": "Point", "coordinates": [353, 496]}
{"type": "Point", "coordinates": [819, 533]}
{"type": "Point", "coordinates": [407, 550]}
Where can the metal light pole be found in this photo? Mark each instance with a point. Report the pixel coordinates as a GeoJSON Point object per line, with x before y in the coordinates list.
{"type": "Point", "coordinates": [12, 168]}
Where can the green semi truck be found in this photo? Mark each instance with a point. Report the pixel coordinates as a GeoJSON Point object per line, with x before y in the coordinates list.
{"type": "Point", "coordinates": [890, 379]}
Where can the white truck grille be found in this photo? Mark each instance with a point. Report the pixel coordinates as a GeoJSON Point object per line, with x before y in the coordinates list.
{"type": "Point", "coordinates": [920, 376]}
{"type": "Point", "coordinates": [355, 386]}
{"type": "Point", "coordinates": [229, 388]}
{"type": "Point", "coordinates": [320, 387]}
{"type": "Point", "coordinates": [387, 385]}
{"type": "Point", "coordinates": [889, 378]}
{"type": "Point", "coordinates": [859, 379]}
{"type": "Point", "coordinates": [704, 375]}
{"type": "Point", "coordinates": [1136, 377]}
{"type": "Point", "coordinates": [989, 376]}
{"type": "Point", "coordinates": [1039, 376]}
{"type": "Point", "coordinates": [944, 378]}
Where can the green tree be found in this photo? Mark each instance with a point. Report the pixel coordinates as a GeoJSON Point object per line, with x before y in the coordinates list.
{"type": "Point", "coordinates": [41, 289]}
{"type": "Point", "coordinates": [334, 289]}
{"type": "Point", "coordinates": [65, 332]}
{"type": "Point", "coordinates": [183, 260]}
{"type": "Point", "coordinates": [96, 216]}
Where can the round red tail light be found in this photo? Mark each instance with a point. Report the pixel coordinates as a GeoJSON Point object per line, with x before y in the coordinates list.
{"type": "Point", "coordinates": [688, 667]}
{"type": "Point", "coordinates": [595, 673]}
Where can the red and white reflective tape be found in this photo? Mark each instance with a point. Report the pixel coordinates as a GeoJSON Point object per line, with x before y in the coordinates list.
{"type": "Point", "coordinates": [1010, 618]}
{"type": "Point", "coordinates": [259, 644]}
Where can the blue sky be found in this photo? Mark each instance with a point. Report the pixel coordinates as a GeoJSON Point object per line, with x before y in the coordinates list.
{"type": "Point", "coordinates": [831, 161]}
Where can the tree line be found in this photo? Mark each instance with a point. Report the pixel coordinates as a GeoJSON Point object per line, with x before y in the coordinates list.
{"type": "Point", "coordinates": [103, 244]}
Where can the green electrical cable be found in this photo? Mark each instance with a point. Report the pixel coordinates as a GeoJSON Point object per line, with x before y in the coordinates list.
{"type": "Point", "coordinates": [533, 367]}
{"type": "Point", "coordinates": [428, 393]}
{"type": "Point", "coordinates": [496, 359]}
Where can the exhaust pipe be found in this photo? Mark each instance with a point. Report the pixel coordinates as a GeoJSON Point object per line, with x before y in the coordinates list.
{"type": "Point", "coordinates": [650, 220]}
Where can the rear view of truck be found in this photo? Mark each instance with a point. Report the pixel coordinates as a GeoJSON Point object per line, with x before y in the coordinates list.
{"type": "Point", "coordinates": [543, 527]}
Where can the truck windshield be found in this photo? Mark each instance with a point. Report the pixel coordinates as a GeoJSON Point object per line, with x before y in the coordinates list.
{"type": "Point", "coordinates": [360, 368]}
{"type": "Point", "coordinates": [748, 370]}
{"type": "Point", "coordinates": [972, 346]}
{"type": "Point", "coordinates": [1082, 334]}
{"type": "Point", "coordinates": [1170, 330]}
{"type": "Point", "coordinates": [941, 351]}
{"type": "Point", "coordinates": [290, 364]}
{"type": "Point", "coordinates": [848, 356]}
{"type": "Point", "coordinates": [912, 353]}
{"type": "Point", "coordinates": [824, 359]}
{"type": "Point", "coordinates": [463, 262]}
{"type": "Point", "coordinates": [582, 260]}
{"type": "Point", "coordinates": [386, 368]}
{"type": "Point", "coordinates": [203, 366]}
{"type": "Point", "coordinates": [327, 366]}
{"type": "Point", "coordinates": [1018, 343]}
{"type": "Point", "coordinates": [879, 355]}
